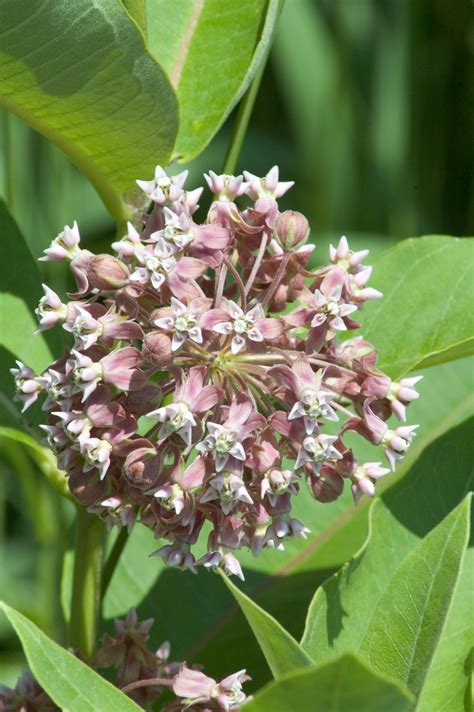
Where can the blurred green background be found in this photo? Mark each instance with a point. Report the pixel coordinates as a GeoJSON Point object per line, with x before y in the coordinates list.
{"type": "Point", "coordinates": [366, 104]}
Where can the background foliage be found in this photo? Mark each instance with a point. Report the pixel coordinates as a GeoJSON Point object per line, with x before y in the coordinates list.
{"type": "Point", "coordinates": [366, 104]}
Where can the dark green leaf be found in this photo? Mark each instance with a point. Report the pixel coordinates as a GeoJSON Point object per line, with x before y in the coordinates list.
{"type": "Point", "coordinates": [345, 685]}
{"type": "Point", "coordinates": [78, 72]}
{"type": "Point", "coordinates": [72, 684]}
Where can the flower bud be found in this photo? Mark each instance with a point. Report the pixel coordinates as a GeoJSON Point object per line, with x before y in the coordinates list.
{"type": "Point", "coordinates": [157, 348]}
{"type": "Point", "coordinates": [327, 487]}
{"type": "Point", "coordinates": [291, 229]}
{"type": "Point", "coordinates": [107, 272]}
{"type": "Point", "coordinates": [141, 467]}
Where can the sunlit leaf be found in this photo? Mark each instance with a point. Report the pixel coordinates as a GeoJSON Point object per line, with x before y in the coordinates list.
{"type": "Point", "coordinates": [342, 685]}
{"type": "Point", "coordinates": [210, 49]}
{"type": "Point", "coordinates": [78, 72]}
{"type": "Point", "coordinates": [426, 315]}
{"type": "Point", "coordinates": [72, 684]}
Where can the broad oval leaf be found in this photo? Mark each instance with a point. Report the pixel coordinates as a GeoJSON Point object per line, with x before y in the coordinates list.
{"type": "Point", "coordinates": [72, 684]}
{"type": "Point", "coordinates": [400, 539]}
{"type": "Point", "coordinates": [211, 49]}
{"type": "Point", "coordinates": [426, 315]}
{"type": "Point", "coordinates": [78, 72]}
{"type": "Point", "coordinates": [20, 290]}
{"type": "Point", "coordinates": [344, 685]}
{"type": "Point", "coordinates": [282, 653]}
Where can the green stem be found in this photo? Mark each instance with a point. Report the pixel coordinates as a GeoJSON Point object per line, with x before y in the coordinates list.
{"type": "Point", "coordinates": [85, 603]}
{"type": "Point", "coordinates": [113, 559]}
{"type": "Point", "coordinates": [244, 112]}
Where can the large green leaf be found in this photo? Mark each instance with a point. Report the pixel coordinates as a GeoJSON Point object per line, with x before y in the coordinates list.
{"type": "Point", "coordinates": [214, 630]}
{"type": "Point", "coordinates": [282, 653]}
{"type": "Point", "coordinates": [447, 683]}
{"type": "Point", "coordinates": [20, 290]}
{"type": "Point", "coordinates": [345, 685]}
{"type": "Point", "coordinates": [210, 49]}
{"type": "Point", "coordinates": [405, 627]}
{"type": "Point", "coordinates": [72, 684]}
{"type": "Point", "coordinates": [79, 73]}
{"type": "Point", "coordinates": [426, 315]}
{"type": "Point", "coordinates": [407, 512]}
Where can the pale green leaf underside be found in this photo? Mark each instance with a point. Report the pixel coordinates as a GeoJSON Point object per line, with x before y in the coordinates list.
{"type": "Point", "coordinates": [425, 316]}
{"type": "Point", "coordinates": [210, 50]}
{"type": "Point", "coordinates": [283, 654]}
{"type": "Point", "coordinates": [345, 685]}
{"type": "Point", "coordinates": [79, 73]}
{"type": "Point", "coordinates": [72, 684]}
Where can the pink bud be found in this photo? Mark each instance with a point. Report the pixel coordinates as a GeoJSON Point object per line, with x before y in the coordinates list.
{"type": "Point", "coordinates": [291, 229]}
{"type": "Point", "coordinates": [107, 272]}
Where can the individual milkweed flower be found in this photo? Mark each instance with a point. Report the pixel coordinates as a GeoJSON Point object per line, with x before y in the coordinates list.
{"type": "Point", "coordinates": [164, 189]}
{"type": "Point", "coordinates": [252, 325]}
{"type": "Point", "coordinates": [225, 187]}
{"type": "Point", "coordinates": [364, 479]}
{"type": "Point", "coordinates": [191, 398]}
{"type": "Point", "coordinates": [305, 393]}
{"type": "Point", "coordinates": [97, 453]}
{"type": "Point", "coordinates": [229, 488]}
{"type": "Point", "coordinates": [65, 246]}
{"type": "Point", "coordinates": [225, 442]}
{"type": "Point", "coordinates": [178, 556]}
{"type": "Point", "coordinates": [316, 451]}
{"type": "Point", "coordinates": [267, 187]}
{"type": "Point", "coordinates": [182, 320]}
{"type": "Point", "coordinates": [28, 386]}
{"type": "Point", "coordinates": [397, 442]}
{"type": "Point", "coordinates": [50, 310]}
{"type": "Point", "coordinates": [154, 264]}
{"type": "Point", "coordinates": [125, 247]}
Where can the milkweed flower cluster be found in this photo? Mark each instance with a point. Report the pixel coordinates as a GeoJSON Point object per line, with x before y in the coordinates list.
{"type": "Point", "coordinates": [205, 380]}
{"type": "Point", "coordinates": [141, 673]}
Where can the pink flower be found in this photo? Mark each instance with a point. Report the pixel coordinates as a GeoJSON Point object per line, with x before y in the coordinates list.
{"type": "Point", "coordinates": [50, 310]}
{"type": "Point", "coordinates": [252, 325]}
{"type": "Point", "coordinates": [306, 394]}
{"type": "Point", "coordinates": [65, 246]}
{"type": "Point", "coordinates": [28, 386]}
{"type": "Point", "coordinates": [182, 320]}
{"type": "Point", "coordinates": [267, 187]}
{"type": "Point", "coordinates": [163, 188]}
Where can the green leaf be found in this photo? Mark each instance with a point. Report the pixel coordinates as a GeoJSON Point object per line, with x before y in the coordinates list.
{"type": "Point", "coordinates": [211, 50]}
{"type": "Point", "coordinates": [79, 73]}
{"type": "Point", "coordinates": [410, 328]}
{"type": "Point", "coordinates": [72, 684]}
{"type": "Point", "coordinates": [337, 621]}
{"type": "Point", "coordinates": [282, 653]}
{"type": "Point", "coordinates": [403, 633]}
{"type": "Point", "coordinates": [345, 685]}
{"type": "Point", "coordinates": [20, 290]}
{"type": "Point", "coordinates": [450, 670]}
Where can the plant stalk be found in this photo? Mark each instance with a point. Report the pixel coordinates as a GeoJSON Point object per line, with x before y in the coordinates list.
{"type": "Point", "coordinates": [86, 583]}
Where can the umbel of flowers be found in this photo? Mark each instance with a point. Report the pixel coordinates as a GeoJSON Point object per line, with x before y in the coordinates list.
{"type": "Point", "coordinates": [205, 380]}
